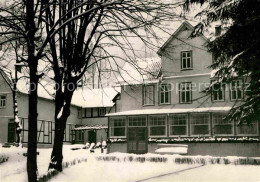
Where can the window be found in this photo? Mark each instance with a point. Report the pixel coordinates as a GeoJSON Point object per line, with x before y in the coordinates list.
{"type": "Point", "coordinates": [157, 126]}
{"type": "Point", "coordinates": [186, 60]}
{"type": "Point", "coordinates": [148, 95]}
{"type": "Point", "coordinates": [185, 93]}
{"type": "Point", "coordinates": [236, 90]}
{"type": "Point", "coordinates": [178, 124]}
{"type": "Point", "coordinates": [138, 121]}
{"type": "Point", "coordinates": [199, 124]}
{"type": "Point", "coordinates": [218, 93]}
{"type": "Point", "coordinates": [69, 133]}
{"type": "Point", "coordinates": [88, 112]}
{"type": "Point", "coordinates": [102, 111]}
{"type": "Point", "coordinates": [2, 101]}
{"type": "Point", "coordinates": [222, 126]}
{"type": "Point", "coordinates": [44, 131]}
{"type": "Point", "coordinates": [79, 112]}
{"type": "Point", "coordinates": [118, 127]}
{"type": "Point", "coordinates": [165, 94]}
{"type": "Point", "coordinates": [247, 129]}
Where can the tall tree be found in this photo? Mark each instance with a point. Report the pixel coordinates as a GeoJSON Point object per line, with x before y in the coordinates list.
{"type": "Point", "coordinates": [236, 50]}
{"type": "Point", "coordinates": [17, 23]}
{"type": "Point", "coordinates": [85, 31]}
{"type": "Point", "coordinates": [21, 24]}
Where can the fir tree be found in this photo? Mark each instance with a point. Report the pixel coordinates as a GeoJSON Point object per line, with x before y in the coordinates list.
{"type": "Point", "coordinates": [236, 51]}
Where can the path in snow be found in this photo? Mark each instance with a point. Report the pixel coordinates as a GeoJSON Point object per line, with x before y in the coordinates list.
{"type": "Point", "coordinates": [150, 172]}
{"type": "Point", "coordinates": [116, 171]}
{"type": "Point", "coordinates": [215, 173]}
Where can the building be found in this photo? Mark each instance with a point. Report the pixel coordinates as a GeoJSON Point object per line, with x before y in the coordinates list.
{"type": "Point", "coordinates": [91, 129]}
{"type": "Point", "coordinates": [169, 107]}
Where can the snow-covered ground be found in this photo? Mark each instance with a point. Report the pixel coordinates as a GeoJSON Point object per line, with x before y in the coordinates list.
{"type": "Point", "coordinates": [126, 167]}
{"type": "Point", "coordinates": [15, 168]}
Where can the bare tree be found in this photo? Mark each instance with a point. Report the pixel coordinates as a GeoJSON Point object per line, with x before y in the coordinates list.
{"type": "Point", "coordinates": [78, 34]}
{"type": "Point", "coordinates": [82, 33]}
{"type": "Point", "coordinates": [21, 25]}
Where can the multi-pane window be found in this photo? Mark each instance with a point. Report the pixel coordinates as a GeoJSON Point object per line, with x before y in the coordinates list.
{"type": "Point", "coordinates": [165, 94]}
{"type": "Point", "coordinates": [68, 133]}
{"type": "Point", "coordinates": [88, 112]}
{"type": "Point", "coordinates": [199, 124]}
{"type": "Point", "coordinates": [134, 121]}
{"type": "Point", "coordinates": [102, 111]}
{"type": "Point", "coordinates": [44, 131]}
{"type": "Point", "coordinates": [222, 126]}
{"type": "Point", "coordinates": [2, 101]}
{"type": "Point", "coordinates": [236, 90]}
{"type": "Point", "coordinates": [157, 125]}
{"type": "Point", "coordinates": [178, 124]}
{"type": "Point", "coordinates": [118, 127]}
{"type": "Point", "coordinates": [218, 92]}
{"type": "Point", "coordinates": [247, 129]}
{"type": "Point", "coordinates": [185, 93]}
{"type": "Point", "coordinates": [186, 60]}
{"type": "Point", "coordinates": [148, 95]}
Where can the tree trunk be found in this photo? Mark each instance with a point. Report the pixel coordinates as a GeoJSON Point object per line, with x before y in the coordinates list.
{"type": "Point", "coordinates": [34, 78]}
{"type": "Point", "coordinates": [56, 156]}
{"type": "Point", "coordinates": [32, 134]}
{"type": "Point", "coordinates": [62, 104]}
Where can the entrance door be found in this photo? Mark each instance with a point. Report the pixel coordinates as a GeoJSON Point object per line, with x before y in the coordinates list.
{"type": "Point", "coordinates": [92, 137]}
{"type": "Point", "coordinates": [137, 140]}
{"type": "Point", "coordinates": [11, 133]}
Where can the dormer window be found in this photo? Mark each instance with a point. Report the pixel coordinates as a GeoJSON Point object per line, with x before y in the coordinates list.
{"type": "Point", "coordinates": [186, 60]}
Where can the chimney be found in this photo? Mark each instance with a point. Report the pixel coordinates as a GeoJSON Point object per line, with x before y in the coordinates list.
{"type": "Point", "coordinates": [217, 30]}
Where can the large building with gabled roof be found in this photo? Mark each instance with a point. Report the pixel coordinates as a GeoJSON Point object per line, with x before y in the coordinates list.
{"type": "Point", "coordinates": [171, 107]}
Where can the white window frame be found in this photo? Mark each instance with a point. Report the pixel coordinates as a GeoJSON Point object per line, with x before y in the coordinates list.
{"type": "Point", "coordinates": [191, 124]}
{"type": "Point", "coordinates": [170, 124]}
{"type": "Point", "coordinates": [236, 88]}
{"type": "Point", "coordinates": [151, 126]}
{"type": "Point", "coordinates": [221, 89]}
{"type": "Point", "coordinates": [102, 111]}
{"type": "Point", "coordinates": [135, 119]}
{"type": "Point", "coordinates": [147, 100]}
{"type": "Point", "coordinates": [111, 127]}
{"type": "Point", "coordinates": [3, 101]}
{"type": "Point", "coordinates": [185, 57]}
{"type": "Point", "coordinates": [257, 129]}
{"type": "Point", "coordinates": [165, 89]}
{"type": "Point", "coordinates": [181, 91]}
{"type": "Point", "coordinates": [219, 124]}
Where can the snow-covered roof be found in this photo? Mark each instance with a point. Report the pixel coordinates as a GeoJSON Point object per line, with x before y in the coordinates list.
{"type": "Point", "coordinates": [89, 98]}
{"type": "Point", "coordinates": [140, 71]}
{"type": "Point", "coordinates": [82, 97]}
{"type": "Point", "coordinates": [93, 127]}
{"type": "Point", "coordinates": [169, 111]}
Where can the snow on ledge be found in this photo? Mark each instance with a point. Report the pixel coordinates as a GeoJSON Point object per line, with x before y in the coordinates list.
{"type": "Point", "coordinates": [172, 150]}
{"type": "Point", "coordinates": [169, 111]}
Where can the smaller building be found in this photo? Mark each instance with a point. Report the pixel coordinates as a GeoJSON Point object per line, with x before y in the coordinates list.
{"type": "Point", "coordinates": [96, 104]}
{"type": "Point", "coordinates": [88, 108]}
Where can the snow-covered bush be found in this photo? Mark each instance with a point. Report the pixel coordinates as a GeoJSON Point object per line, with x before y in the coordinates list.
{"type": "Point", "coordinates": [87, 145]}
{"type": "Point", "coordinates": [92, 146]}
{"type": "Point", "coordinates": [98, 145]}
{"type": "Point", "coordinates": [51, 173]}
{"type": "Point", "coordinates": [3, 158]}
{"type": "Point", "coordinates": [104, 144]}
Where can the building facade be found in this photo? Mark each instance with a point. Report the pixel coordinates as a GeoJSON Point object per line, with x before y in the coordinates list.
{"type": "Point", "coordinates": [173, 108]}
{"type": "Point", "coordinates": [95, 124]}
